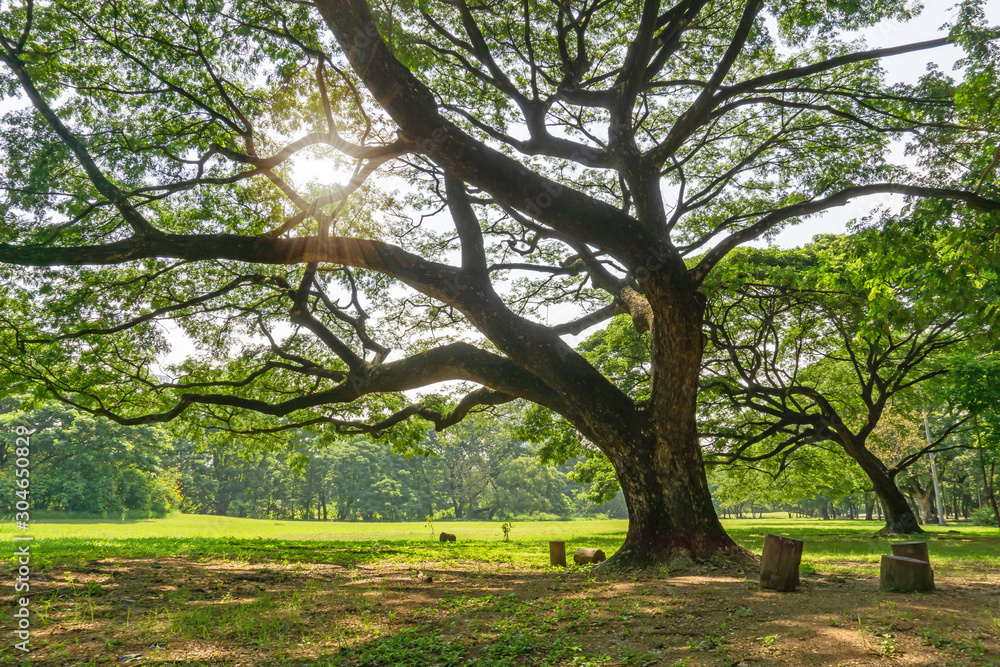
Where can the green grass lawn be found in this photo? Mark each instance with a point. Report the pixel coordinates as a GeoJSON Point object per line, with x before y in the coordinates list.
{"type": "Point", "coordinates": [197, 525]}
{"type": "Point", "coordinates": [836, 546]}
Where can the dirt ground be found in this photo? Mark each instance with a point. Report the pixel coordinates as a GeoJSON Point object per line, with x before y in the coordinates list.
{"type": "Point", "coordinates": [184, 611]}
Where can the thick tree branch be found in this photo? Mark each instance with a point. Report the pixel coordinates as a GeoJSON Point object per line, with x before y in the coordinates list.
{"type": "Point", "coordinates": [458, 361]}
{"type": "Point", "coordinates": [413, 108]}
{"type": "Point", "coordinates": [467, 224]}
{"type": "Point", "coordinates": [431, 278]}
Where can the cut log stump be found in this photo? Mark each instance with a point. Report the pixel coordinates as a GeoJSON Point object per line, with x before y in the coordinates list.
{"type": "Point", "coordinates": [915, 550]}
{"type": "Point", "coordinates": [584, 556]}
{"type": "Point", "coordinates": [448, 537]}
{"type": "Point", "coordinates": [906, 575]}
{"type": "Point", "coordinates": [557, 553]}
{"type": "Point", "coordinates": [779, 564]}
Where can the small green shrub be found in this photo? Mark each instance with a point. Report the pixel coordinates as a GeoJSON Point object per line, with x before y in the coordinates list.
{"type": "Point", "coordinates": [506, 527]}
{"type": "Point", "coordinates": [984, 516]}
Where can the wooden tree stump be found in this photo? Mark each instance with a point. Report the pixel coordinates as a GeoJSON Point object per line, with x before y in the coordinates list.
{"type": "Point", "coordinates": [906, 575]}
{"type": "Point", "coordinates": [448, 537]}
{"type": "Point", "coordinates": [779, 564]}
{"type": "Point", "coordinates": [557, 553]}
{"type": "Point", "coordinates": [584, 556]}
{"type": "Point", "coordinates": [915, 550]}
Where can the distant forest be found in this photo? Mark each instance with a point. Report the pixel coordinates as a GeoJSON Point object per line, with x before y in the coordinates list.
{"type": "Point", "coordinates": [475, 471]}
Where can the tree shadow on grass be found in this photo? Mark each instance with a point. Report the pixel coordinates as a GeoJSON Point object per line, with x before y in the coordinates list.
{"type": "Point", "coordinates": [51, 552]}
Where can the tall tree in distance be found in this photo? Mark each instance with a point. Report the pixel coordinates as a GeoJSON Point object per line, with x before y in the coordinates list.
{"type": "Point", "coordinates": [828, 344]}
{"type": "Point", "coordinates": [976, 386]}
{"type": "Point", "coordinates": [583, 152]}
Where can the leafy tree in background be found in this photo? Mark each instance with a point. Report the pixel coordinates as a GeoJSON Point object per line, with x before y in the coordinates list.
{"type": "Point", "coordinates": [582, 151]}
{"type": "Point", "coordinates": [821, 473]}
{"type": "Point", "coordinates": [87, 465]}
{"type": "Point", "coordinates": [977, 388]}
{"type": "Point", "coordinates": [362, 483]}
{"type": "Point", "coordinates": [819, 344]}
{"type": "Point", "coordinates": [525, 488]}
{"type": "Point", "coordinates": [473, 456]}
{"type": "Point", "coordinates": [218, 478]}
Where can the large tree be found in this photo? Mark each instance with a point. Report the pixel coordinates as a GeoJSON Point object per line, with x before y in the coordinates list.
{"type": "Point", "coordinates": [582, 150]}
{"type": "Point", "coordinates": [830, 343]}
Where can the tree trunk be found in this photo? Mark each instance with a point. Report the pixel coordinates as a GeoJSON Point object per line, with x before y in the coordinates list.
{"type": "Point", "coordinates": [779, 563]}
{"type": "Point", "coordinates": [989, 484]}
{"type": "Point", "coordinates": [906, 575]}
{"type": "Point", "coordinates": [672, 519]}
{"type": "Point", "coordinates": [924, 499]}
{"type": "Point", "coordinates": [899, 517]}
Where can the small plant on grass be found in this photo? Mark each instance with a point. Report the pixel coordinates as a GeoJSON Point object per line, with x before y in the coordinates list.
{"type": "Point", "coordinates": [994, 621]}
{"type": "Point", "coordinates": [975, 647]}
{"type": "Point", "coordinates": [712, 642]}
{"type": "Point", "coordinates": [888, 646]}
{"type": "Point", "coordinates": [932, 637]}
{"type": "Point", "coordinates": [506, 527]}
{"type": "Point", "coordinates": [429, 523]}
{"type": "Point", "coordinates": [769, 642]}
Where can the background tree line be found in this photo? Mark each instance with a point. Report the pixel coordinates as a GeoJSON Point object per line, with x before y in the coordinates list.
{"type": "Point", "coordinates": [81, 464]}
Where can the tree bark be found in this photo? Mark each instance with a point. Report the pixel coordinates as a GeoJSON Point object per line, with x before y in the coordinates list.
{"type": "Point", "coordinates": [924, 499]}
{"type": "Point", "coordinates": [905, 575]}
{"type": "Point", "coordinates": [671, 514]}
{"type": "Point", "coordinates": [989, 484]}
{"type": "Point", "coordinates": [779, 563]}
{"type": "Point", "coordinates": [899, 517]}
{"type": "Point", "coordinates": [584, 556]}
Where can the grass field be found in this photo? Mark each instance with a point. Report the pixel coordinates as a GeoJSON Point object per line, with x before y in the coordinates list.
{"type": "Point", "coordinates": [197, 590]}
{"type": "Point", "coordinates": [835, 546]}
